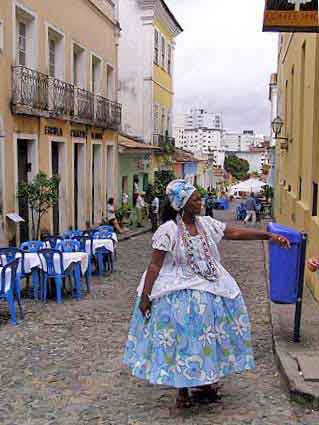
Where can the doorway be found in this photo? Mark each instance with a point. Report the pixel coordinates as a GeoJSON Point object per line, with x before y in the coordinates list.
{"type": "Point", "coordinates": [96, 184]}
{"type": "Point", "coordinates": [55, 150]}
{"type": "Point", "coordinates": [79, 184]}
{"type": "Point", "coordinates": [110, 172]}
{"type": "Point", "coordinates": [24, 168]}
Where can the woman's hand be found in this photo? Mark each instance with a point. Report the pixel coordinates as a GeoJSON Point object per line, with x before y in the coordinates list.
{"type": "Point", "coordinates": [313, 264]}
{"type": "Point", "coordinates": [145, 306]}
{"type": "Point", "coordinates": [280, 240]}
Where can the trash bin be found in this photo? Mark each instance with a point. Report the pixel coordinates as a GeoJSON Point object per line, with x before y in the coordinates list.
{"type": "Point", "coordinates": [284, 265]}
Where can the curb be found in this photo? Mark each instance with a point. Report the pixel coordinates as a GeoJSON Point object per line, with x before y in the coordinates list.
{"type": "Point", "coordinates": [134, 234]}
{"type": "Point", "coordinates": [299, 390]}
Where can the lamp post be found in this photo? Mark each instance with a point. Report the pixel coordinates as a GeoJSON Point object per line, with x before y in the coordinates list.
{"type": "Point", "coordinates": [277, 125]}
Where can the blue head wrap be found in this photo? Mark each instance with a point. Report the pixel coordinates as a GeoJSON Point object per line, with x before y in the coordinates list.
{"type": "Point", "coordinates": [179, 192]}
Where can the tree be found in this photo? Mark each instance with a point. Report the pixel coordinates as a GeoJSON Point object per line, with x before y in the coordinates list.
{"type": "Point", "coordinates": [238, 167]}
{"type": "Point", "coordinates": [41, 194]}
{"type": "Point", "coordinates": [162, 178]}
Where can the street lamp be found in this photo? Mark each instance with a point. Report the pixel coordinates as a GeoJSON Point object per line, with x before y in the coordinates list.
{"type": "Point", "coordinates": [277, 125]}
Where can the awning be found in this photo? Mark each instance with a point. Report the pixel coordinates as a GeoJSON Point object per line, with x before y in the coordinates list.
{"type": "Point", "coordinates": [129, 144]}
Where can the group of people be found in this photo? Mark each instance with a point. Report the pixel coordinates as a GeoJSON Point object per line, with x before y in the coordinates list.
{"type": "Point", "coordinates": [190, 327]}
{"type": "Point", "coordinates": [143, 210]}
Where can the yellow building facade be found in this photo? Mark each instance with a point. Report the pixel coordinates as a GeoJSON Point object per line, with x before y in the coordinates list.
{"type": "Point", "coordinates": [166, 29]}
{"type": "Point", "coordinates": [58, 108]}
{"type": "Point", "coordinates": [297, 159]}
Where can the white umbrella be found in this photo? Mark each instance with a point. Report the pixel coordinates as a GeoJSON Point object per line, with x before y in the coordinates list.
{"type": "Point", "coordinates": [248, 186]}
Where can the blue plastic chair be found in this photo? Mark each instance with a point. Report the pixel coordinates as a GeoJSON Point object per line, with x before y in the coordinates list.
{"type": "Point", "coordinates": [11, 254]}
{"type": "Point", "coordinates": [9, 294]}
{"type": "Point", "coordinates": [49, 271]}
{"type": "Point", "coordinates": [52, 240]}
{"type": "Point", "coordinates": [32, 246]}
{"type": "Point", "coordinates": [68, 245]}
{"type": "Point", "coordinates": [106, 227]}
{"type": "Point", "coordinates": [69, 234]}
{"type": "Point", "coordinates": [103, 256]}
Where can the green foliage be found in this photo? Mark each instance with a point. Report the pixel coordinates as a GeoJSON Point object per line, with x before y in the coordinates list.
{"type": "Point", "coordinates": [268, 192]}
{"type": "Point", "coordinates": [237, 167]}
{"type": "Point", "coordinates": [41, 194]}
{"type": "Point", "coordinates": [202, 191]}
{"type": "Point", "coordinates": [162, 178]}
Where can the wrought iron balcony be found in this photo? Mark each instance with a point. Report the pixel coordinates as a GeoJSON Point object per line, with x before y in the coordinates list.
{"type": "Point", "coordinates": [37, 94]}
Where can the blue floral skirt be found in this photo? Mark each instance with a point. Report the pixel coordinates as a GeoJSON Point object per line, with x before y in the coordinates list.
{"type": "Point", "coordinates": [193, 338]}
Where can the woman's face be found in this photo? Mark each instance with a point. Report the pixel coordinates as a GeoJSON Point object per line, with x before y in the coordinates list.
{"type": "Point", "coordinates": [194, 204]}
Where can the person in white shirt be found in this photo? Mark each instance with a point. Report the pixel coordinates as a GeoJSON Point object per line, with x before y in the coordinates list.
{"type": "Point", "coordinates": [154, 213]}
{"type": "Point", "coordinates": [140, 205]}
{"type": "Point", "coordinates": [190, 326]}
{"type": "Point", "coordinates": [112, 217]}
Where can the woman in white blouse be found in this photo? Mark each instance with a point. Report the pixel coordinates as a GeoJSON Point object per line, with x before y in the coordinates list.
{"type": "Point", "coordinates": [190, 327]}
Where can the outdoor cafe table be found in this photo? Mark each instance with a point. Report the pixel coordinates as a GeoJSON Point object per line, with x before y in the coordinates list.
{"type": "Point", "coordinates": [99, 243]}
{"type": "Point", "coordinates": [32, 264]}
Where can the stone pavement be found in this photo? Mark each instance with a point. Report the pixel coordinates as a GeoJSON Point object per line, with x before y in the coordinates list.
{"type": "Point", "coordinates": [62, 365]}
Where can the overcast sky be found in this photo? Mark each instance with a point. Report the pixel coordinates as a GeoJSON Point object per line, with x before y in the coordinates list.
{"type": "Point", "coordinates": [224, 60]}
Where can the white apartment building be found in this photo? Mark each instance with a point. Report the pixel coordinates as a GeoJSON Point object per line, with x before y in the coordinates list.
{"type": "Point", "coordinates": [201, 141]}
{"type": "Point", "coordinates": [199, 118]}
{"type": "Point", "coordinates": [231, 141]}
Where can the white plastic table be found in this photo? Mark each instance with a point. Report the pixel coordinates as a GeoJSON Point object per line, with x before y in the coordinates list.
{"type": "Point", "coordinates": [99, 243]}
{"type": "Point", "coordinates": [7, 279]}
{"type": "Point", "coordinates": [69, 258]}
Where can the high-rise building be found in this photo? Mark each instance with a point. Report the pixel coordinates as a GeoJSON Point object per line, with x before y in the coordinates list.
{"type": "Point", "coordinates": [200, 131]}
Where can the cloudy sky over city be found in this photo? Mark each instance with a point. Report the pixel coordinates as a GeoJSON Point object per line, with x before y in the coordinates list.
{"type": "Point", "coordinates": [224, 60]}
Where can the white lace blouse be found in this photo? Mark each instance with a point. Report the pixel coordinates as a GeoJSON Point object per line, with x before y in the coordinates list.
{"type": "Point", "coordinates": [175, 277]}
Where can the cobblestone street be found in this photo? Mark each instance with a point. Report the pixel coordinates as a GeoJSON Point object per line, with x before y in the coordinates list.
{"type": "Point", "coordinates": [62, 365]}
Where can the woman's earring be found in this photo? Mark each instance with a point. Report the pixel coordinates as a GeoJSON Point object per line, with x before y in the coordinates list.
{"type": "Point", "coordinates": [182, 213]}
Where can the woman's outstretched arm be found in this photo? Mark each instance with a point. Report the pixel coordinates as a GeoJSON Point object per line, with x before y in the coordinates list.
{"type": "Point", "coordinates": [239, 234]}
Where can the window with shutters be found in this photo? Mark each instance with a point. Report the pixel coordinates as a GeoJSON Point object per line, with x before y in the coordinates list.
{"type": "Point", "coordinates": [163, 52]}
{"type": "Point", "coordinates": [169, 122]}
{"type": "Point", "coordinates": [52, 53]}
{"type": "Point", "coordinates": [25, 37]}
{"type": "Point", "coordinates": [156, 120]}
{"type": "Point", "coordinates": [163, 122]}
{"type": "Point", "coordinates": [169, 59]}
{"type": "Point", "coordinates": [22, 43]}
{"type": "Point", "coordinates": [156, 47]}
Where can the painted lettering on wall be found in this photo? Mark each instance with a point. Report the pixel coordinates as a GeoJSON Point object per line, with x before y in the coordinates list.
{"type": "Point", "coordinates": [53, 131]}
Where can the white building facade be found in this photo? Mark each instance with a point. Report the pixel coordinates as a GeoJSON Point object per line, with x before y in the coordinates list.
{"type": "Point", "coordinates": [231, 141]}
{"type": "Point", "coordinates": [256, 158]}
{"type": "Point", "coordinates": [201, 141]}
{"type": "Point", "coordinates": [146, 61]}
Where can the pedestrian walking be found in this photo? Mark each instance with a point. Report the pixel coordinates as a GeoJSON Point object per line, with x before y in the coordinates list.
{"type": "Point", "coordinates": [190, 327]}
{"type": "Point", "coordinates": [251, 207]}
{"type": "Point", "coordinates": [140, 208]}
{"type": "Point", "coordinates": [154, 212]}
{"type": "Point", "coordinates": [209, 205]}
{"type": "Point", "coordinates": [135, 191]}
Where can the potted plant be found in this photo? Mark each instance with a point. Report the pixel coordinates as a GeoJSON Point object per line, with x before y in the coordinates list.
{"type": "Point", "coordinates": [41, 194]}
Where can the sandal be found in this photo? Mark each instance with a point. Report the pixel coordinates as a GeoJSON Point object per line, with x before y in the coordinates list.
{"type": "Point", "coordinates": [183, 401]}
{"type": "Point", "coordinates": [206, 394]}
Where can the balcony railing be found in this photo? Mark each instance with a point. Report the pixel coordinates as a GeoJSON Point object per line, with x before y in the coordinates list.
{"type": "Point", "coordinates": [37, 94]}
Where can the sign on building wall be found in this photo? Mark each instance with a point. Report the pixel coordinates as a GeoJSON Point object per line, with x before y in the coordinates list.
{"type": "Point", "coordinates": [291, 16]}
